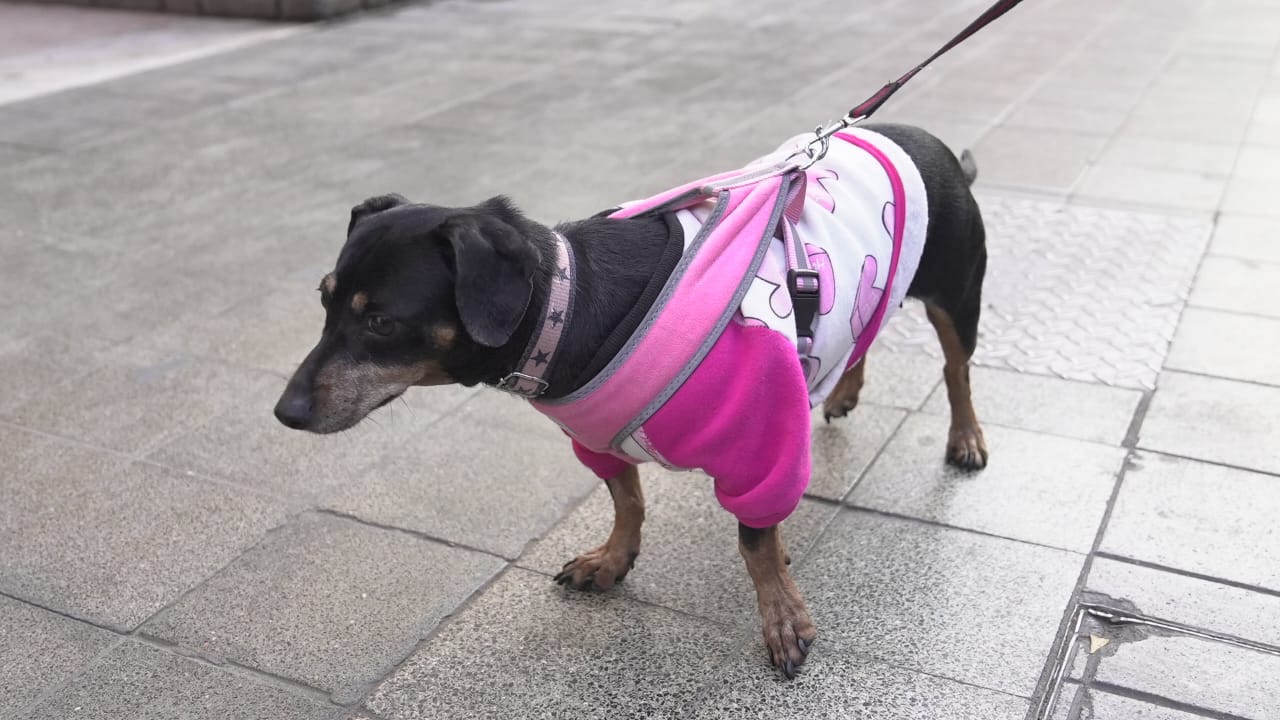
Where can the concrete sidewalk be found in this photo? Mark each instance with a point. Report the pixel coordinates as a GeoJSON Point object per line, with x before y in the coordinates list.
{"type": "Point", "coordinates": [168, 550]}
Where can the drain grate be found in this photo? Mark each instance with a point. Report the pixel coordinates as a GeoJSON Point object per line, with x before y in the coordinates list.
{"type": "Point", "coordinates": [1075, 292]}
{"type": "Point", "coordinates": [1090, 620]}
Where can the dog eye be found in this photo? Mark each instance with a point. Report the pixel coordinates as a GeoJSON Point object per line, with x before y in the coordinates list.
{"type": "Point", "coordinates": [381, 325]}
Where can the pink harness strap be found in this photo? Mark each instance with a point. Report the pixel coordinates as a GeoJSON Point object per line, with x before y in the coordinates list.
{"type": "Point", "coordinates": [667, 346]}
{"type": "Point", "coordinates": [703, 293]}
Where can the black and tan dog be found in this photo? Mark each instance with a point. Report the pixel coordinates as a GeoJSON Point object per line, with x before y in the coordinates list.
{"type": "Point", "coordinates": [427, 295]}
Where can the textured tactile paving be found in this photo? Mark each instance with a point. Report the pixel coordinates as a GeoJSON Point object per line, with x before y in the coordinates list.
{"type": "Point", "coordinates": [1075, 292]}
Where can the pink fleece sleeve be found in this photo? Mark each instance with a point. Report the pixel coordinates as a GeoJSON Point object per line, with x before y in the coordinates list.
{"type": "Point", "coordinates": [743, 417]}
{"type": "Point", "coordinates": [603, 465]}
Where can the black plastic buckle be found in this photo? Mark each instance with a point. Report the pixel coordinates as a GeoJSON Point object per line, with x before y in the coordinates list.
{"type": "Point", "coordinates": [804, 300]}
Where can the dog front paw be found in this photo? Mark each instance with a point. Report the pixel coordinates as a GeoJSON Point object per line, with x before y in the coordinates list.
{"type": "Point", "coordinates": [966, 448]}
{"type": "Point", "coordinates": [838, 407]}
{"type": "Point", "coordinates": [789, 633]}
{"type": "Point", "coordinates": [597, 569]}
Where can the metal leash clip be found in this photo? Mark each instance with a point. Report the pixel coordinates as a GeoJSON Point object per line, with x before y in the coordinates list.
{"type": "Point", "coordinates": [817, 148]}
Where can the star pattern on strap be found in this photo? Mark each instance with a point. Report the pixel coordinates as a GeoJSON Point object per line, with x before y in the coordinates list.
{"type": "Point", "coordinates": [556, 317]}
{"type": "Point", "coordinates": [563, 273]}
{"type": "Point", "coordinates": [540, 358]}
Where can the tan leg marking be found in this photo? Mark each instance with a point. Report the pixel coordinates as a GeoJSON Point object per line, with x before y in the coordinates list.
{"type": "Point", "coordinates": [966, 447]}
{"type": "Point", "coordinates": [844, 398]}
{"type": "Point", "coordinates": [608, 564]}
{"type": "Point", "coordinates": [788, 629]}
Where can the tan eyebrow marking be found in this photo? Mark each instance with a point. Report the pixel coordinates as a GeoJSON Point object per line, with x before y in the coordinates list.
{"type": "Point", "coordinates": [359, 301]}
{"type": "Point", "coordinates": [444, 335]}
{"type": "Point", "coordinates": [329, 283]}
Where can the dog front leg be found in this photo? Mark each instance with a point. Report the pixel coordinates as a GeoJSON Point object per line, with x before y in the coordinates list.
{"type": "Point", "coordinates": [609, 563]}
{"type": "Point", "coordinates": [788, 630]}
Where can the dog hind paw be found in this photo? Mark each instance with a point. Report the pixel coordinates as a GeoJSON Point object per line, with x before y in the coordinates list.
{"type": "Point", "coordinates": [967, 449]}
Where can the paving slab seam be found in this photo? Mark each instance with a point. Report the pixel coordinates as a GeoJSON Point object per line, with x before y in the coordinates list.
{"type": "Point", "coordinates": [639, 601]}
{"type": "Point", "coordinates": [418, 534]}
{"type": "Point", "coordinates": [257, 675]}
{"type": "Point", "coordinates": [1211, 376]}
{"type": "Point", "coordinates": [938, 524]}
{"type": "Point", "coordinates": [1206, 461]}
{"type": "Point", "coordinates": [1062, 62]}
{"type": "Point", "coordinates": [284, 523]}
{"type": "Point", "coordinates": [1225, 311]}
{"type": "Point", "coordinates": [870, 463]}
{"type": "Point", "coordinates": [1164, 702]}
{"type": "Point", "coordinates": [1044, 696]}
{"type": "Point", "coordinates": [458, 611]}
{"type": "Point", "coordinates": [114, 629]}
{"type": "Point", "coordinates": [142, 459]}
{"type": "Point", "coordinates": [1103, 554]}
{"type": "Point", "coordinates": [1135, 423]}
{"type": "Point", "coordinates": [53, 690]}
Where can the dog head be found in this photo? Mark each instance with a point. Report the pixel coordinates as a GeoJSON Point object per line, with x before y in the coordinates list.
{"type": "Point", "coordinates": [420, 295]}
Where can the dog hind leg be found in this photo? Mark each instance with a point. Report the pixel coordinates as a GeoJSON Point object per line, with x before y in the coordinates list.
{"type": "Point", "coordinates": [844, 398]}
{"type": "Point", "coordinates": [958, 333]}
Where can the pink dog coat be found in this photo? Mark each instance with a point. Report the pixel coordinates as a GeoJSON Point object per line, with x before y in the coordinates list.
{"type": "Point", "coordinates": [711, 379]}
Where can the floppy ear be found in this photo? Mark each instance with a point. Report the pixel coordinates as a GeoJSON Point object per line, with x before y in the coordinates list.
{"type": "Point", "coordinates": [494, 266]}
{"type": "Point", "coordinates": [373, 206]}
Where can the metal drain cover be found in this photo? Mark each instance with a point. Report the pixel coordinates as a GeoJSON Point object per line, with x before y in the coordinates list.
{"type": "Point", "coordinates": [1075, 292]}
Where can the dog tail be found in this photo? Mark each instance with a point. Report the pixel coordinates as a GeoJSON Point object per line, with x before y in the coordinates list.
{"type": "Point", "coordinates": [968, 166]}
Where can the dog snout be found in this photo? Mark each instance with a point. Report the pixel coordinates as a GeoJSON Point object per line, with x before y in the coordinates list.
{"type": "Point", "coordinates": [294, 408]}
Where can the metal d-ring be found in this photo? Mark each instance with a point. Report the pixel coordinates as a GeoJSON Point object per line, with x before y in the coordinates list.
{"type": "Point", "coordinates": [817, 148]}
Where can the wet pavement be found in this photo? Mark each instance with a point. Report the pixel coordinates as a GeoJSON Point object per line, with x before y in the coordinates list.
{"type": "Point", "coordinates": [168, 550]}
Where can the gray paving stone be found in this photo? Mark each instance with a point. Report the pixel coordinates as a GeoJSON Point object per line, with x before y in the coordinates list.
{"type": "Point", "coordinates": [1197, 157]}
{"type": "Point", "coordinates": [40, 650]}
{"type": "Point", "coordinates": [1190, 601]}
{"type": "Point", "coordinates": [326, 601]}
{"type": "Point", "coordinates": [1247, 286]}
{"type": "Point", "coordinates": [1198, 673]}
{"type": "Point", "coordinates": [141, 682]}
{"type": "Point", "coordinates": [1250, 197]}
{"type": "Point", "coordinates": [1037, 488]}
{"type": "Point", "coordinates": [1228, 345]}
{"type": "Point", "coordinates": [30, 365]}
{"type": "Point", "coordinates": [1218, 420]}
{"type": "Point", "coordinates": [1105, 706]}
{"type": "Point", "coordinates": [138, 399]}
{"type": "Point", "coordinates": [544, 652]}
{"type": "Point", "coordinates": [689, 559]}
{"type": "Point", "coordinates": [247, 445]}
{"type": "Point", "coordinates": [836, 681]}
{"type": "Point", "coordinates": [937, 600]}
{"type": "Point", "coordinates": [91, 535]}
{"type": "Point", "coordinates": [1207, 519]}
{"type": "Point", "coordinates": [844, 448]}
{"type": "Point", "coordinates": [1061, 157]}
{"type": "Point", "coordinates": [488, 487]}
{"type": "Point", "coordinates": [1086, 411]}
{"type": "Point", "coordinates": [11, 156]}
{"type": "Point", "coordinates": [1258, 163]}
{"type": "Point", "coordinates": [1182, 190]}
{"type": "Point", "coordinates": [271, 331]}
{"type": "Point", "coordinates": [1251, 238]}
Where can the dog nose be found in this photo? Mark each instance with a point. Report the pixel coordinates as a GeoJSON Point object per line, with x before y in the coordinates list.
{"type": "Point", "coordinates": [294, 409]}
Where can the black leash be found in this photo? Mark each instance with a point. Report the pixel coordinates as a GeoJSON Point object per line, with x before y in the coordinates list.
{"type": "Point", "coordinates": [863, 110]}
